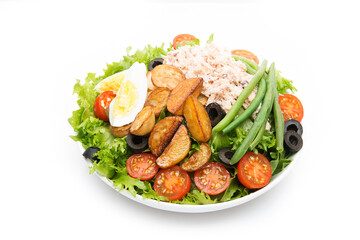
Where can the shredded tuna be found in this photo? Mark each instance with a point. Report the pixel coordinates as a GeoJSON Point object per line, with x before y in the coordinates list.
{"type": "Point", "coordinates": [224, 78]}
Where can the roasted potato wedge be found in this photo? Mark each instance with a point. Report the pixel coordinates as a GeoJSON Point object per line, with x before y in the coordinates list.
{"type": "Point", "coordinates": [203, 99]}
{"type": "Point", "coordinates": [177, 150]}
{"type": "Point", "coordinates": [144, 122]}
{"type": "Point", "coordinates": [198, 159]}
{"type": "Point", "coordinates": [181, 92]}
{"type": "Point", "coordinates": [197, 119]}
{"type": "Point", "coordinates": [157, 99]}
{"type": "Point", "coordinates": [167, 76]}
{"type": "Point", "coordinates": [162, 134]}
{"type": "Point", "coordinates": [120, 131]}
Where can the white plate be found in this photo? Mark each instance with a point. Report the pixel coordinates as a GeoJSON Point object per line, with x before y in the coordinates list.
{"type": "Point", "coordinates": [199, 208]}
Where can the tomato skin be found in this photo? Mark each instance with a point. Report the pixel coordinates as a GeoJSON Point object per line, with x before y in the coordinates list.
{"type": "Point", "coordinates": [182, 38]}
{"type": "Point", "coordinates": [246, 54]}
{"type": "Point", "coordinates": [254, 170]}
{"type": "Point", "coordinates": [291, 107]}
{"type": "Point", "coordinates": [102, 103]}
{"type": "Point", "coordinates": [142, 166]}
{"type": "Point", "coordinates": [212, 178]}
{"type": "Point", "coordinates": [173, 183]}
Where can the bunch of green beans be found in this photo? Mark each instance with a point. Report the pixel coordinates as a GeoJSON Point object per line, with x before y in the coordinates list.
{"type": "Point", "coordinates": [260, 118]}
{"type": "Point", "coordinates": [278, 116]}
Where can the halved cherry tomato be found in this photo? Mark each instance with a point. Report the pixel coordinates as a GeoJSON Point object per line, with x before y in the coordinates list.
{"type": "Point", "coordinates": [212, 178]}
{"type": "Point", "coordinates": [254, 171]}
{"type": "Point", "coordinates": [182, 38]}
{"type": "Point", "coordinates": [173, 183]}
{"type": "Point", "coordinates": [246, 54]}
{"type": "Point", "coordinates": [291, 107]}
{"type": "Point", "coordinates": [102, 103]}
{"type": "Point", "coordinates": [142, 166]}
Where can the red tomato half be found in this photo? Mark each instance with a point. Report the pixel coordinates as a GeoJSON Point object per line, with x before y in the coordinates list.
{"type": "Point", "coordinates": [254, 171]}
{"type": "Point", "coordinates": [182, 38]}
{"type": "Point", "coordinates": [142, 166]}
{"type": "Point", "coordinates": [212, 178]}
{"type": "Point", "coordinates": [173, 183]}
{"type": "Point", "coordinates": [102, 102]}
{"type": "Point", "coordinates": [291, 107]}
{"type": "Point", "coordinates": [246, 54]}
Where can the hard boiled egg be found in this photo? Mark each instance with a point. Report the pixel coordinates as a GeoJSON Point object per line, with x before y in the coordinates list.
{"type": "Point", "coordinates": [130, 97]}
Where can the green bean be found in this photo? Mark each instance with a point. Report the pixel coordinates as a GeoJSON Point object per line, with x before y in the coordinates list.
{"type": "Point", "coordinates": [279, 120]}
{"type": "Point", "coordinates": [261, 132]}
{"type": "Point", "coordinates": [243, 95]}
{"type": "Point", "coordinates": [249, 69]}
{"type": "Point", "coordinates": [251, 63]}
{"type": "Point", "coordinates": [260, 118]}
{"type": "Point", "coordinates": [251, 108]}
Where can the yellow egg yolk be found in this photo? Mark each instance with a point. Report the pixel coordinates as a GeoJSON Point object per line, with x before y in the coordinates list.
{"type": "Point", "coordinates": [125, 99]}
{"type": "Point", "coordinates": [111, 83]}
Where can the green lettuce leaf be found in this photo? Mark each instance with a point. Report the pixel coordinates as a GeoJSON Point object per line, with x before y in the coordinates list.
{"type": "Point", "coordinates": [196, 197]}
{"type": "Point", "coordinates": [211, 39]}
{"type": "Point", "coordinates": [284, 85]}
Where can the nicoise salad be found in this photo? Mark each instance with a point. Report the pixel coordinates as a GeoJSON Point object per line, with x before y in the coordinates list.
{"type": "Point", "coordinates": [188, 124]}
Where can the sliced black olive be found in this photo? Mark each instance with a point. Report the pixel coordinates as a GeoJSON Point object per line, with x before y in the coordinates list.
{"type": "Point", "coordinates": [292, 141]}
{"type": "Point", "coordinates": [155, 62]}
{"type": "Point", "coordinates": [225, 155]}
{"type": "Point", "coordinates": [294, 126]}
{"type": "Point", "coordinates": [90, 152]}
{"type": "Point", "coordinates": [215, 112]}
{"type": "Point", "coordinates": [137, 144]}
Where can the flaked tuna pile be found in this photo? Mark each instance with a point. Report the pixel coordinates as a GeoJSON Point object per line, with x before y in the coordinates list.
{"type": "Point", "coordinates": [224, 78]}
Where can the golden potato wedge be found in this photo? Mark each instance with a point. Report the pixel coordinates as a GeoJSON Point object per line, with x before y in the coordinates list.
{"type": "Point", "coordinates": [162, 134]}
{"type": "Point", "coordinates": [157, 99]}
{"type": "Point", "coordinates": [198, 159]}
{"type": "Point", "coordinates": [150, 85]}
{"type": "Point", "coordinates": [120, 131]}
{"type": "Point", "coordinates": [203, 99]}
{"type": "Point", "coordinates": [167, 76]}
{"type": "Point", "coordinates": [181, 92]}
{"type": "Point", "coordinates": [177, 150]}
{"type": "Point", "coordinates": [197, 119]}
{"type": "Point", "coordinates": [144, 122]}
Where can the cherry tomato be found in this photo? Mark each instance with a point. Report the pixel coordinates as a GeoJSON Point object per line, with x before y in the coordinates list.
{"type": "Point", "coordinates": [173, 183]}
{"type": "Point", "coordinates": [212, 178]}
{"type": "Point", "coordinates": [182, 38]}
{"type": "Point", "coordinates": [254, 171]}
{"type": "Point", "coordinates": [102, 103]}
{"type": "Point", "coordinates": [291, 107]}
{"type": "Point", "coordinates": [246, 54]}
{"type": "Point", "coordinates": [142, 166]}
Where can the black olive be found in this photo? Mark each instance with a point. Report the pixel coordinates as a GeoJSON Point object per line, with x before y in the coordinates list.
{"type": "Point", "coordinates": [294, 126]}
{"type": "Point", "coordinates": [215, 112]}
{"type": "Point", "coordinates": [137, 144]}
{"type": "Point", "coordinates": [153, 63]}
{"type": "Point", "coordinates": [225, 155]}
{"type": "Point", "coordinates": [90, 152]}
{"type": "Point", "coordinates": [292, 141]}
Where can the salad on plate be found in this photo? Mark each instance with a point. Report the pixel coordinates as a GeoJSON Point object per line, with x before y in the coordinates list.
{"type": "Point", "coordinates": [188, 124]}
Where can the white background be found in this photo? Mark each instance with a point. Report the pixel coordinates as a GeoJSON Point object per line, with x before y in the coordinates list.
{"type": "Point", "coordinates": [46, 191]}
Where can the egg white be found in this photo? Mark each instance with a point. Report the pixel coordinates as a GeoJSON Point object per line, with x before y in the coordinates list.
{"type": "Point", "coordinates": [137, 75]}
